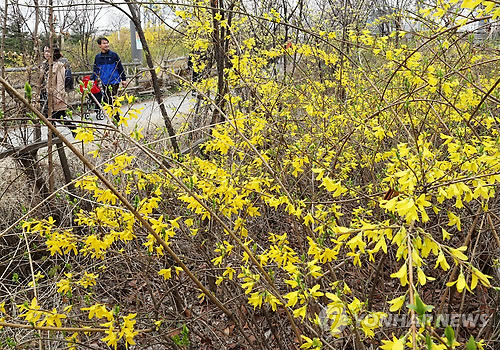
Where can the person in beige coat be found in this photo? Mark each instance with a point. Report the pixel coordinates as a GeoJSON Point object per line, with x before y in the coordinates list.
{"type": "Point", "coordinates": [56, 89]}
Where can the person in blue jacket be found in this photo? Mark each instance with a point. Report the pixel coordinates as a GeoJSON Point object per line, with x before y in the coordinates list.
{"type": "Point", "coordinates": [109, 70]}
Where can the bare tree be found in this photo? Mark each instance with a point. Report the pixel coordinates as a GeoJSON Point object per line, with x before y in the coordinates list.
{"type": "Point", "coordinates": [2, 48]}
{"type": "Point", "coordinates": [84, 26]}
{"type": "Point", "coordinates": [135, 17]}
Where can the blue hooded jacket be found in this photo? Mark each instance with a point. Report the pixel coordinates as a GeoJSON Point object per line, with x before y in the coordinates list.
{"type": "Point", "coordinates": [108, 68]}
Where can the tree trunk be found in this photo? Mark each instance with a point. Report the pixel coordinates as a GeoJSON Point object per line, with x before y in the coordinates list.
{"type": "Point", "coordinates": [217, 38]}
{"type": "Point", "coordinates": [2, 49]}
{"type": "Point", "coordinates": [50, 97]}
{"type": "Point", "coordinates": [154, 77]}
{"type": "Point", "coordinates": [36, 49]}
{"type": "Point", "coordinates": [66, 170]}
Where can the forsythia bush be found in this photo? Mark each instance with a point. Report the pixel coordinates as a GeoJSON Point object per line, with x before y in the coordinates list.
{"type": "Point", "coordinates": [351, 180]}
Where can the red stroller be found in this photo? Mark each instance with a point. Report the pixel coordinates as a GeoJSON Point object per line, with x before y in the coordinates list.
{"type": "Point", "coordinates": [94, 99]}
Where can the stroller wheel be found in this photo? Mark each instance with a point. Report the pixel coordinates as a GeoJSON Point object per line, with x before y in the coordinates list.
{"type": "Point", "coordinates": [99, 115]}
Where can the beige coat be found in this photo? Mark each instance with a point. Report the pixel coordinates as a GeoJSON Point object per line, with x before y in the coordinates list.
{"type": "Point", "coordinates": [57, 87]}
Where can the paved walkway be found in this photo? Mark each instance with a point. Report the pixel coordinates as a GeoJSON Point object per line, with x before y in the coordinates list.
{"type": "Point", "coordinates": [177, 105]}
{"type": "Point", "coordinates": [150, 118]}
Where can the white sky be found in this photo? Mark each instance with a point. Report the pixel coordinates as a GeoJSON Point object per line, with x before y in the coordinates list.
{"type": "Point", "coordinates": [109, 18]}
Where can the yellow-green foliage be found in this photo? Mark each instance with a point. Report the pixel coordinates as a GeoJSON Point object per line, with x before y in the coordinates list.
{"type": "Point", "coordinates": [162, 42]}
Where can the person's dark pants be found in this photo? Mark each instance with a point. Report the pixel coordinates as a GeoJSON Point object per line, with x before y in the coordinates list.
{"type": "Point", "coordinates": [60, 115]}
{"type": "Point", "coordinates": [109, 92]}
{"type": "Point", "coordinates": [94, 103]}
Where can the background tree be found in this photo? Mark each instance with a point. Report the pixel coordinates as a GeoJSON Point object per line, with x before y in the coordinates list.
{"type": "Point", "coordinates": [84, 28]}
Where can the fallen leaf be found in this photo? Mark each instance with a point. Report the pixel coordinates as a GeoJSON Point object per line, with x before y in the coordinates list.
{"type": "Point", "coordinates": [174, 332]}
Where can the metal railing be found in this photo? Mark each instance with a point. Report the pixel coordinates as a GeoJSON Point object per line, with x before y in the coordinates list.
{"type": "Point", "coordinates": [133, 70]}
